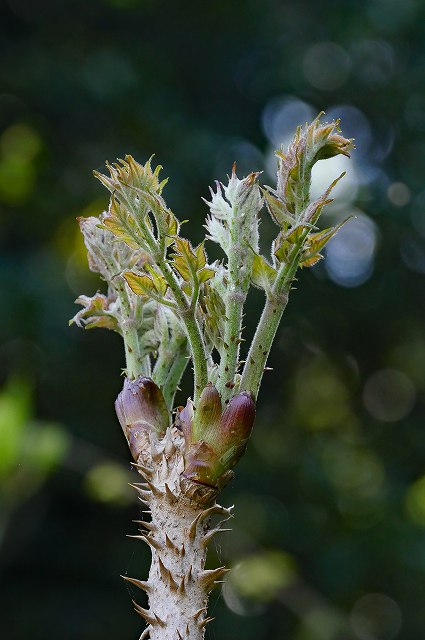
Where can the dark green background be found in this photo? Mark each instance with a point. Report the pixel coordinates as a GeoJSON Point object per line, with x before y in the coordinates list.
{"type": "Point", "coordinates": [329, 533]}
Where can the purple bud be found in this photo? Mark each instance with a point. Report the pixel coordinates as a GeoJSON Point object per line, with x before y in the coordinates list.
{"type": "Point", "coordinates": [201, 464]}
{"type": "Point", "coordinates": [207, 415]}
{"type": "Point", "coordinates": [215, 441]}
{"type": "Point", "coordinates": [140, 407]}
{"type": "Point", "coordinates": [238, 418]}
{"type": "Point", "coordinates": [184, 420]}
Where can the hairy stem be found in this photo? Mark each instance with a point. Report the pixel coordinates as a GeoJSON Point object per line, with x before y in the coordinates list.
{"type": "Point", "coordinates": [235, 300]}
{"type": "Point", "coordinates": [193, 331]}
{"type": "Point", "coordinates": [170, 365]}
{"type": "Point", "coordinates": [269, 322]}
{"type": "Point", "coordinates": [135, 364]}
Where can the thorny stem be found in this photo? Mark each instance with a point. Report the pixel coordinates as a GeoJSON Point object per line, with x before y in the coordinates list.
{"type": "Point", "coordinates": [230, 350]}
{"type": "Point", "coordinates": [235, 299]}
{"type": "Point", "coordinates": [178, 534]}
{"type": "Point", "coordinates": [269, 322]}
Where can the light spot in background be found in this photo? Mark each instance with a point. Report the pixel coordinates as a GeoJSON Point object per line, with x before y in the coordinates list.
{"type": "Point", "coordinates": [327, 393]}
{"type": "Point", "coordinates": [376, 617]}
{"type": "Point", "coordinates": [415, 501]}
{"type": "Point", "coordinates": [412, 251]}
{"type": "Point", "coordinates": [418, 212]}
{"type": "Point", "coordinates": [350, 255]}
{"type": "Point", "coordinates": [414, 112]}
{"type": "Point", "coordinates": [326, 66]}
{"type": "Point", "coordinates": [391, 15]}
{"type": "Point", "coordinates": [354, 124]}
{"type": "Point", "coordinates": [361, 512]}
{"type": "Point", "coordinates": [398, 194]}
{"type": "Point", "coordinates": [98, 68]}
{"type": "Point", "coordinates": [258, 579]}
{"type": "Point", "coordinates": [323, 173]}
{"type": "Point", "coordinates": [19, 147]}
{"type": "Point", "coordinates": [108, 482]}
{"type": "Point", "coordinates": [282, 115]}
{"type": "Point", "coordinates": [353, 470]}
{"type": "Point", "coordinates": [373, 61]}
{"type": "Point", "coordinates": [389, 395]}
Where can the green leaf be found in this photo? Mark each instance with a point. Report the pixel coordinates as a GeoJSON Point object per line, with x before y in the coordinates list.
{"type": "Point", "coordinates": [191, 263]}
{"type": "Point", "coordinates": [316, 242]}
{"type": "Point", "coordinates": [314, 209]}
{"type": "Point", "coordinates": [263, 275]}
{"type": "Point", "coordinates": [146, 285]}
{"type": "Point", "coordinates": [205, 274]}
{"type": "Point", "coordinates": [285, 242]}
{"type": "Point", "coordinates": [122, 226]}
{"type": "Point", "coordinates": [278, 211]}
{"type": "Point", "coordinates": [95, 314]}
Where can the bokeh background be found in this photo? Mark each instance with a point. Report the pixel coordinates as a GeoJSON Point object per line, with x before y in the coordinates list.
{"type": "Point", "coordinates": [329, 532]}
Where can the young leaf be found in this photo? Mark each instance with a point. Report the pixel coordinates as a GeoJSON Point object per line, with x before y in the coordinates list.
{"type": "Point", "coordinates": [315, 243]}
{"type": "Point", "coordinates": [277, 210]}
{"type": "Point", "coordinates": [146, 285]}
{"type": "Point", "coordinates": [97, 312]}
{"type": "Point", "coordinates": [263, 275]}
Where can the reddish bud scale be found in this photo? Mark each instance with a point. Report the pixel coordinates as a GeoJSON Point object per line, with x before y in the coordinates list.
{"type": "Point", "coordinates": [215, 440]}
{"type": "Point", "coordinates": [139, 407]}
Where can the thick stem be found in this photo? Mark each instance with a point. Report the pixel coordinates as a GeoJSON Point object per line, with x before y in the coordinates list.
{"type": "Point", "coordinates": [178, 534]}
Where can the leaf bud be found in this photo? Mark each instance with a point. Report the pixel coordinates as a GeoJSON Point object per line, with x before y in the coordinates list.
{"type": "Point", "coordinates": [215, 439]}
{"type": "Point", "coordinates": [140, 406]}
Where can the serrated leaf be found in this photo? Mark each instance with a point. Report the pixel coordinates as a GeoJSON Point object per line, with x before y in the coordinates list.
{"type": "Point", "coordinates": [278, 211]}
{"type": "Point", "coordinates": [284, 243]}
{"type": "Point", "coordinates": [190, 262]}
{"type": "Point", "coordinates": [311, 261]}
{"type": "Point", "coordinates": [141, 285]}
{"type": "Point", "coordinates": [314, 209]}
{"type": "Point", "coordinates": [213, 314]}
{"type": "Point", "coordinates": [205, 274]}
{"type": "Point", "coordinates": [152, 285]}
{"type": "Point", "coordinates": [95, 314]}
{"type": "Point", "coordinates": [263, 275]}
{"type": "Point", "coordinates": [159, 281]}
{"type": "Point", "coordinates": [201, 256]}
{"type": "Point", "coordinates": [120, 233]}
{"type": "Point", "coordinates": [316, 242]}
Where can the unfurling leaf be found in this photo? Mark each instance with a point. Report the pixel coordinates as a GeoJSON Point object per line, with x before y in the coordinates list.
{"type": "Point", "coordinates": [98, 312]}
{"type": "Point", "coordinates": [285, 242]}
{"type": "Point", "coordinates": [277, 209]}
{"type": "Point", "coordinates": [146, 285]}
{"type": "Point", "coordinates": [316, 242]}
{"type": "Point", "coordinates": [190, 263]}
{"type": "Point", "coordinates": [310, 144]}
{"type": "Point", "coordinates": [136, 195]}
{"type": "Point", "coordinates": [314, 209]}
{"type": "Point", "coordinates": [263, 275]}
{"type": "Point", "coordinates": [213, 313]}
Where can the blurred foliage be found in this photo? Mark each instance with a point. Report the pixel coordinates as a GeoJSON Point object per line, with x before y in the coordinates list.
{"type": "Point", "coordinates": [329, 531]}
